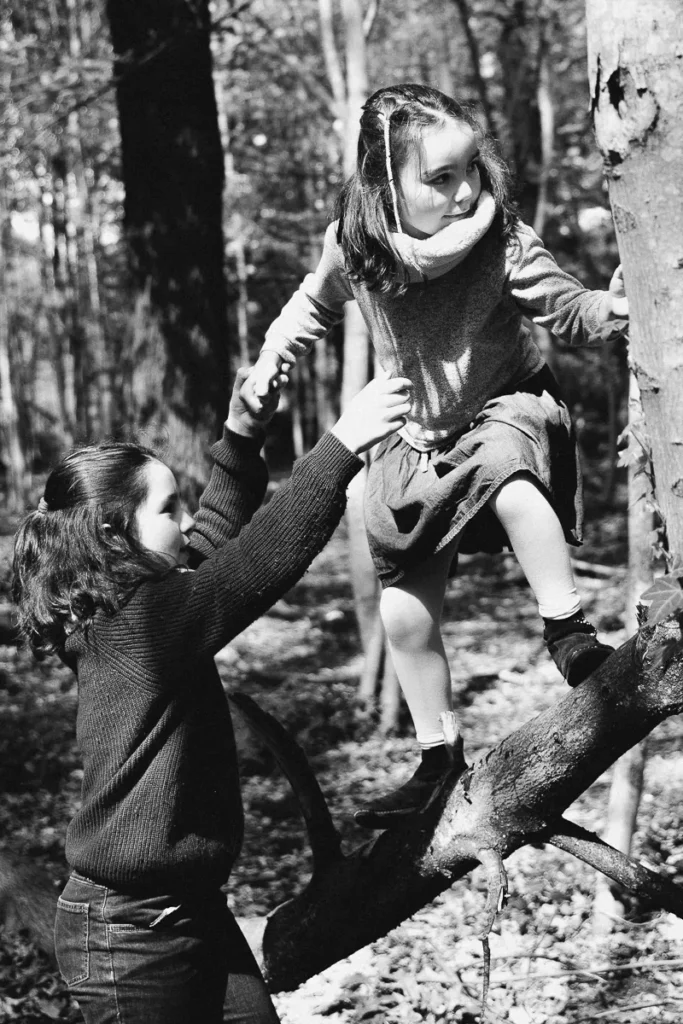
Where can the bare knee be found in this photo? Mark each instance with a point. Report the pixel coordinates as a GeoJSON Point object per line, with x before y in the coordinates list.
{"type": "Point", "coordinates": [513, 496]}
{"type": "Point", "coordinates": [408, 622]}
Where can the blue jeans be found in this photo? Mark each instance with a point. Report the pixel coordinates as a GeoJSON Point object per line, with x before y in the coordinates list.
{"type": "Point", "coordinates": [157, 959]}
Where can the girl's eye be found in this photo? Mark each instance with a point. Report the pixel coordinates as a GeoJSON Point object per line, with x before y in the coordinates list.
{"type": "Point", "coordinates": [474, 166]}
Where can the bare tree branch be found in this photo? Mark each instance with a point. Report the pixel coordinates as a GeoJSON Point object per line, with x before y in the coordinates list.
{"type": "Point", "coordinates": [324, 838]}
{"type": "Point", "coordinates": [621, 868]}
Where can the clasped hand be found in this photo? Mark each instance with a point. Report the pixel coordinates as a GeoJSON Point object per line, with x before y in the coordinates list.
{"type": "Point", "coordinates": [377, 411]}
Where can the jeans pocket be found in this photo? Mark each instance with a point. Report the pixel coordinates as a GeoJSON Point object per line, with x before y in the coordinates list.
{"type": "Point", "coordinates": [124, 913]}
{"type": "Point", "coordinates": [71, 941]}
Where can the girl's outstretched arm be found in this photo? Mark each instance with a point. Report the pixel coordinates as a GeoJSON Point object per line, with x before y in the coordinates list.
{"type": "Point", "coordinates": [556, 300]}
{"type": "Point", "coordinates": [229, 501]}
{"type": "Point", "coordinates": [191, 614]}
{"type": "Point", "coordinates": [312, 311]}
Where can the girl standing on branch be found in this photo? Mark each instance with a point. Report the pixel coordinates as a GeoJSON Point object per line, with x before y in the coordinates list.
{"type": "Point", "coordinates": [429, 243]}
{"type": "Point", "coordinates": [137, 597]}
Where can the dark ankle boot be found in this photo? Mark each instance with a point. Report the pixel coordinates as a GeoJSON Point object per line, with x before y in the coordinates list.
{"type": "Point", "coordinates": [415, 795]}
{"type": "Point", "coordinates": [574, 647]}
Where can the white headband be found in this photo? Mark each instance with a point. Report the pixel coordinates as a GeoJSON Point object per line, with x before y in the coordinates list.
{"type": "Point", "coordinates": [385, 119]}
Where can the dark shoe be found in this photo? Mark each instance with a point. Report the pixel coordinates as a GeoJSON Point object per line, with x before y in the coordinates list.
{"type": "Point", "coordinates": [414, 796]}
{"type": "Point", "coordinates": [577, 652]}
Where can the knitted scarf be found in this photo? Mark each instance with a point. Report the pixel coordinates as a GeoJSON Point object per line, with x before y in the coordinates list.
{"type": "Point", "coordinates": [431, 257]}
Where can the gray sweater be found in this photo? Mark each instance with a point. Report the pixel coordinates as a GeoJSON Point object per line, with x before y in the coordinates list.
{"type": "Point", "coordinates": [458, 337]}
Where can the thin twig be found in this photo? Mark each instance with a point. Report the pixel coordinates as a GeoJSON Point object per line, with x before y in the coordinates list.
{"type": "Point", "coordinates": [593, 972]}
{"type": "Point", "coordinates": [598, 570]}
{"type": "Point", "coordinates": [496, 898]}
{"type": "Point", "coordinates": [456, 975]}
{"type": "Point", "coordinates": [638, 1006]}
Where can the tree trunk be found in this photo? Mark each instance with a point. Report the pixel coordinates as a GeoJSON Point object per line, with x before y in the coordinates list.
{"type": "Point", "coordinates": [629, 771]}
{"type": "Point", "coordinates": [520, 135]}
{"type": "Point", "coordinates": [58, 301]}
{"type": "Point", "coordinates": [13, 454]}
{"type": "Point", "coordinates": [350, 92]}
{"type": "Point", "coordinates": [236, 223]}
{"type": "Point", "coordinates": [636, 86]}
{"type": "Point", "coordinates": [475, 60]}
{"type": "Point", "coordinates": [363, 575]}
{"type": "Point", "coordinates": [173, 175]}
{"type": "Point", "coordinates": [96, 379]}
{"type": "Point", "coordinates": [515, 795]}
{"type": "Point", "coordinates": [546, 114]}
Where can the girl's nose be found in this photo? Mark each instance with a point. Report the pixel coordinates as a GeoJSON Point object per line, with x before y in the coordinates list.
{"type": "Point", "coordinates": [186, 523]}
{"type": "Point", "coordinates": [463, 193]}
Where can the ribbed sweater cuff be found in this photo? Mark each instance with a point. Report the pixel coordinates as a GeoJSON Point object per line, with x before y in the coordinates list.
{"type": "Point", "coordinates": [233, 442]}
{"type": "Point", "coordinates": [334, 460]}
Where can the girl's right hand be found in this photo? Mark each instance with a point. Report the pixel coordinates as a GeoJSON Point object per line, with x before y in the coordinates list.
{"type": "Point", "coordinates": [377, 411]}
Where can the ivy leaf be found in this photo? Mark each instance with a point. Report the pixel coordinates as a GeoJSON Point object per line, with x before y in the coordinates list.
{"type": "Point", "coordinates": [665, 597]}
{"type": "Point", "coordinates": [613, 329]}
{"type": "Point", "coordinates": [664, 655]}
{"type": "Point", "coordinates": [676, 567]}
{"type": "Point", "coordinates": [632, 456]}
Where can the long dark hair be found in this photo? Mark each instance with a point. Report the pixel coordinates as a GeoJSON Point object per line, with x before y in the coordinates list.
{"type": "Point", "coordinates": [364, 207]}
{"type": "Point", "coordinates": [78, 551]}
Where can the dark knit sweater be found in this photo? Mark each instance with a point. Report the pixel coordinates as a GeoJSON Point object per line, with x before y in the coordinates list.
{"type": "Point", "coordinates": [161, 808]}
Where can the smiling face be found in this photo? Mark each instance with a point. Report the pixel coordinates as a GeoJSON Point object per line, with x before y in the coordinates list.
{"type": "Point", "coordinates": [161, 523]}
{"type": "Point", "coordinates": [440, 182]}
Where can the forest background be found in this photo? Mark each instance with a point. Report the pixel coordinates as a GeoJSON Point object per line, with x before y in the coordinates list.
{"type": "Point", "coordinates": [86, 349]}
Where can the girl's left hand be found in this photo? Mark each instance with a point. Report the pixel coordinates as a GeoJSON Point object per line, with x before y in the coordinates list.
{"type": "Point", "coordinates": [617, 294]}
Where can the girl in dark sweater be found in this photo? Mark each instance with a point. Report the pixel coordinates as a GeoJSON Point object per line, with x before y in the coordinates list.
{"type": "Point", "coordinates": [137, 597]}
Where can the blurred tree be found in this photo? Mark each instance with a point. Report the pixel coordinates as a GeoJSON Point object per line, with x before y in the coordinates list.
{"type": "Point", "coordinates": [94, 389]}
{"type": "Point", "coordinates": [57, 159]}
{"type": "Point", "coordinates": [172, 168]}
{"type": "Point", "coordinates": [12, 453]}
{"type": "Point", "coordinates": [629, 771]}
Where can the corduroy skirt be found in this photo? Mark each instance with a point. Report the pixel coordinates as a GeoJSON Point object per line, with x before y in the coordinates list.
{"type": "Point", "coordinates": [416, 503]}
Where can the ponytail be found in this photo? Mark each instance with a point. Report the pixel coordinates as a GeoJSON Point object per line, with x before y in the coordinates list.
{"type": "Point", "coordinates": [78, 551]}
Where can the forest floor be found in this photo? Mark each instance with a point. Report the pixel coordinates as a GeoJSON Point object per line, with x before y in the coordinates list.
{"type": "Point", "coordinates": [301, 662]}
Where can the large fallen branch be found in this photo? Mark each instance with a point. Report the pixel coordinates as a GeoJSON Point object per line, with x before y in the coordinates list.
{"type": "Point", "coordinates": [515, 795]}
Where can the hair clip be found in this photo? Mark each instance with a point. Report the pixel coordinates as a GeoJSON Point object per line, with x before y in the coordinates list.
{"type": "Point", "coordinates": [385, 120]}
{"type": "Point", "coordinates": [43, 506]}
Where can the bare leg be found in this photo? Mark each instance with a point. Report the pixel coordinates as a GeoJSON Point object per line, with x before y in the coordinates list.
{"type": "Point", "coordinates": [411, 613]}
{"type": "Point", "coordinates": [537, 540]}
